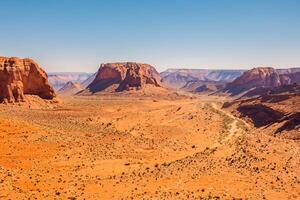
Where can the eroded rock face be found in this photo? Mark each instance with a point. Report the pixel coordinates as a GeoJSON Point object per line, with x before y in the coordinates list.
{"type": "Point", "coordinates": [138, 75]}
{"type": "Point", "coordinates": [257, 77]}
{"type": "Point", "coordinates": [290, 78]}
{"type": "Point", "coordinates": [111, 71]}
{"type": "Point", "coordinates": [124, 76]}
{"type": "Point", "coordinates": [22, 76]}
{"type": "Point", "coordinates": [262, 77]}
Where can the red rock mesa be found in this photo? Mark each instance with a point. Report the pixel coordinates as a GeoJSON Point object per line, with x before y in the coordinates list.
{"type": "Point", "coordinates": [124, 76]}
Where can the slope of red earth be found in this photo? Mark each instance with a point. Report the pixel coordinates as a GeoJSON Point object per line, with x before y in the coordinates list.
{"type": "Point", "coordinates": [108, 147]}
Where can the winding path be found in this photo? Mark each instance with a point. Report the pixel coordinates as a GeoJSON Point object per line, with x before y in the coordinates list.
{"type": "Point", "coordinates": [234, 130]}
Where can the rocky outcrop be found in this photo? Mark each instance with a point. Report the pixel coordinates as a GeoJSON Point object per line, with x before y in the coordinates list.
{"type": "Point", "coordinates": [117, 77]}
{"type": "Point", "coordinates": [258, 79]}
{"type": "Point", "coordinates": [139, 75]}
{"type": "Point", "coordinates": [19, 77]}
{"type": "Point", "coordinates": [291, 78]}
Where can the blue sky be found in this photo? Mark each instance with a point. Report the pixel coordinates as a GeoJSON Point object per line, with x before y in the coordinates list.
{"type": "Point", "coordinates": [78, 35]}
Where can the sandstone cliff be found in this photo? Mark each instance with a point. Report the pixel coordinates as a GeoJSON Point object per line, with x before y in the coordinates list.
{"type": "Point", "coordinates": [256, 79]}
{"type": "Point", "coordinates": [19, 77]}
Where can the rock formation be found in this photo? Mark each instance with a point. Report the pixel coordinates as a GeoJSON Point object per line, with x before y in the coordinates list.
{"type": "Point", "coordinates": [22, 76]}
{"type": "Point", "coordinates": [291, 78]}
{"type": "Point", "coordinates": [262, 77]}
{"type": "Point", "coordinates": [124, 76]}
{"type": "Point", "coordinates": [257, 77]}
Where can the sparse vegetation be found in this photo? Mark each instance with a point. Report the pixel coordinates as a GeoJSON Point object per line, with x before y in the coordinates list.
{"type": "Point", "coordinates": [161, 152]}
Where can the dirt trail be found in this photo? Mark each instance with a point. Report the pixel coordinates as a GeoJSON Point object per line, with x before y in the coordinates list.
{"type": "Point", "coordinates": [234, 130]}
{"type": "Point", "coordinates": [215, 106]}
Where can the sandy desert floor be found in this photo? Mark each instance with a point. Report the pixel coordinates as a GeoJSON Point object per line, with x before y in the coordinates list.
{"type": "Point", "coordinates": [135, 148]}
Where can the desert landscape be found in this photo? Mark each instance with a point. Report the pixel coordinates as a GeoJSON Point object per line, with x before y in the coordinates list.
{"type": "Point", "coordinates": [150, 100]}
{"type": "Point", "coordinates": [127, 135]}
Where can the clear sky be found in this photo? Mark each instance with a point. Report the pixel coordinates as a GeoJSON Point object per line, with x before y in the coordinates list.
{"type": "Point", "coordinates": [78, 35]}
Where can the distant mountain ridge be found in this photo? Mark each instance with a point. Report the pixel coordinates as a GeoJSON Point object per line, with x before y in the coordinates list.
{"type": "Point", "coordinates": [59, 79]}
{"type": "Point", "coordinates": [178, 78]}
{"type": "Point", "coordinates": [208, 87]}
{"type": "Point", "coordinates": [70, 88]}
{"type": "Point", "coordinates": [232, 82]}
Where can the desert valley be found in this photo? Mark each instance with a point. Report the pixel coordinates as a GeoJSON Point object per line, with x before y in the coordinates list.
{"type": "Point", "coordinates": [130, 132]}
